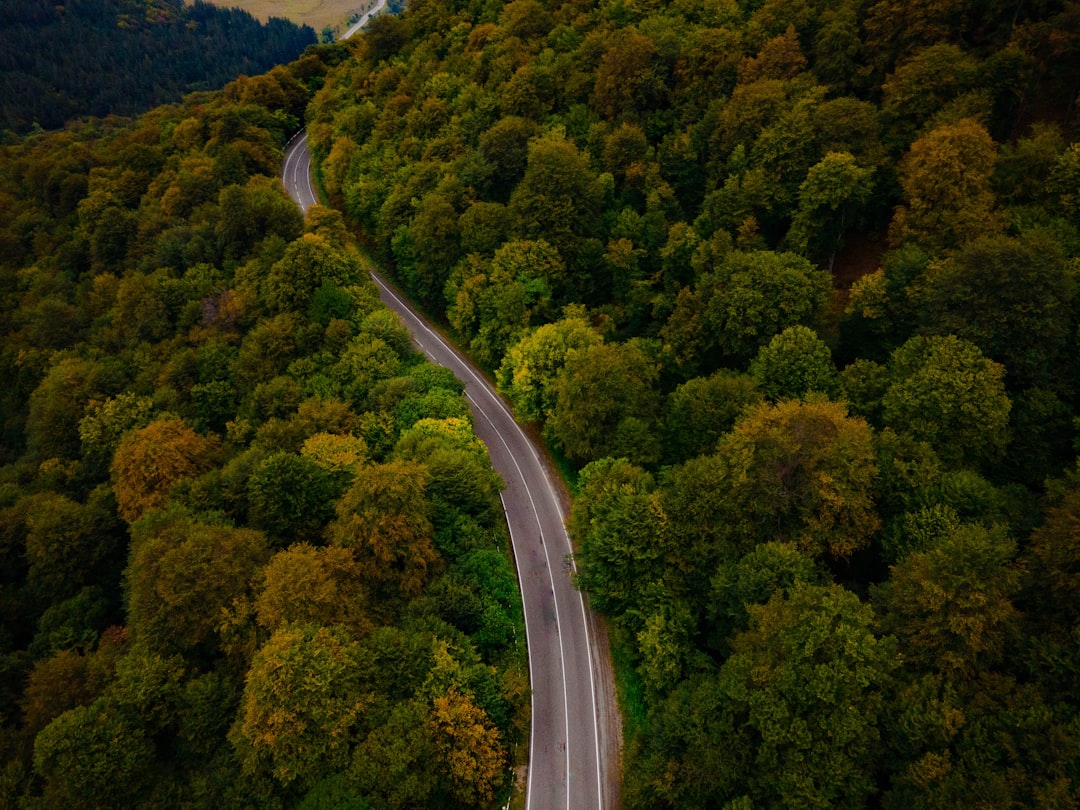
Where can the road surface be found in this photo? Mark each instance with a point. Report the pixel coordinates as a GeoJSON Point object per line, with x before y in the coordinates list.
{"type": "Point", "coordinates": [364, 20]}
{"type": "Point", "coordinates": [296, 172]}
{"type": "Point", "coordinates": [576, 730]}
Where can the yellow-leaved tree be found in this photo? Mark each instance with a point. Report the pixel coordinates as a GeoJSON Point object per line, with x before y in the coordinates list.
{"type": "Point", "coordinates": [468, 746]}
{"type": "Point", "coordinates": [150, 460]}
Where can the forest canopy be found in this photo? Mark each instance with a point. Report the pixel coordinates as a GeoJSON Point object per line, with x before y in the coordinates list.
{"type": "Point", "coordinates": [790, 287]}
{"type": "Point", "coordinates": [77, 58]}
{"type": "Point", "coordinates": [253, 554]}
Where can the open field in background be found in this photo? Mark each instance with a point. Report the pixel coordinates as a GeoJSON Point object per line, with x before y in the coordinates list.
{"type": "Point", "coordinates": [316, 13]}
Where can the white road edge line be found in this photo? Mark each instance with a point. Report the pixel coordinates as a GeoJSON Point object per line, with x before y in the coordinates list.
{"type": "Point", "coordinates": [554, 596]}
{"type": "Point", "coordinates": [532, 678]}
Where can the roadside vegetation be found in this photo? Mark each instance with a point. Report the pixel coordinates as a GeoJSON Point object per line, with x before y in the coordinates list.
{"type": "Point", "coordinates": [252, 553]}
{"type": "Point", "coordinates": [792, 285]}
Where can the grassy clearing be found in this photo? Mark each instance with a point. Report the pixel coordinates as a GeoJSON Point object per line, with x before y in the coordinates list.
{"type": "Point", "coordinates": [316, 13]}
{"type": "Point", "coordinates": [630, 692]}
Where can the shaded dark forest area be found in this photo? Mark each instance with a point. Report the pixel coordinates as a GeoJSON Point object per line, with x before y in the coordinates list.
{"type": "Point", "coordinates": [67, 59]}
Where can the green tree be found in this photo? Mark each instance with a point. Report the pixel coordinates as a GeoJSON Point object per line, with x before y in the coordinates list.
{"type": "Point", "coordinates": [71, 544]}
{"type": "Point", "coordinates": [830, 197]}
{"type": "Point", "coordinates": [506, 147]}
{"type": "Point", "coordinates": [182, 577]}
{"type": "Point", "coordinates": [461, 477]}
{"type": "Point", "coordinates": [94, 756]}
{"type": "Point", "coordinates": [531, 366]}
{"type": "Point", "coordinates": [795, 363]}
{"type": "Point", "coordinates": [301, 706]}
{"type": "Point", "coordinates": [395, 765]}
{"type": "Point", "coordinates": [434, 247]}
{"type": "Point", "coordinates": [617, 521]}
{"type": "Point", "coordinates": [364, 362]}
{"type": "Point", "coordinates": [606, 403]}
{"type": "Point", "coordinates": [838, 45]}
{"type": "Point", "coordinates": [291, 497]}
{"type": "Point", "coordinates": [923, 86]}
{"type": "Point", "coordinates": [946, 393]}
{"type": "Point", "coordinates": [951, 605]}
{"type": "Point", "coordinates": [753, 579]}
{"type": "Point", "coordinates": [1064, 180]}
{"type": "Point", "coordinates": [251, 212]}
{"type": "Point", "coordinates": [385, 519]}
{"type": "Point", "coordinates": [995, 742]}
{"type": "Point", "coordinates": [801, 473]}
{"type": "Point", "coordinates": [701, 410]}
{"type": "Point", "coordinates": [483, 227]}
{"type": "Point", "coordinates": [494, 303]}
{"type": "Point", "coordinates": [749, 297]}
{"type": "Point", "coordinates": [805, 688]}
{"type": "Point", "coordinates": [558, 200]}
{"type": "Point", "coordinates": [1010, 296]}
{"type": "Point", "coordinates": [1051, 580]}
{"type": "Point", "coordinates": [308, 263]}
{"type": "Point", "coordinates": [57, 405]}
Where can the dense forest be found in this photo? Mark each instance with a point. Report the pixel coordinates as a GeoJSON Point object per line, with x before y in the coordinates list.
{"type": "Point", "coordinates": [64, 59]}
{"type": "Point", "coordinates": [252, 554]}
{"type": "Point", "coordinates": [791, 286]}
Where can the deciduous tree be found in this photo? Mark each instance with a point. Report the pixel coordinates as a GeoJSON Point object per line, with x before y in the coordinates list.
{"type": "Point", "coordinates": [603, 394]}
{"type": "Point", "coordinates": [752, 296]}
{"type": "Point", "coordinates": [805, 688]}
{"type": "Point", "coordinates": [183, 576]}
{"type": "Point", "coordinates": [951, 605]}
{"type": "Point", "coordinates": [316, 586]}
{"type": "Point", "coordinates": [1010, 296]}
{"type": "Point", "coordinates": [292, 497]}
{"type": "Point", "coordinates": [150, 460]}
{"type": "Point", "coordinates": [946, 181]}
{"type": "Point", "coordinates": [385, 519]}
{"type": "Point", "coordinates": [94, 756]}
{"type": "Point", "coordinates": [830, 198]}
{"type": "Point", "coordinates": [946, 393]}
{"type": "Point", "coordinates": [301, 705]}
{"type": "Point", "coordinates": [468, 747]}
{"type": "Point", "coordinates": [795, 363]}
{"type": "Point", "coordinates": [801, 473]}
{"type": "Point", "coordinates": [531, 366]}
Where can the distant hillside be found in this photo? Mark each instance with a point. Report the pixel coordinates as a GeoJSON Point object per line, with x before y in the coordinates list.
{"type": "Point", "coordinates": [61, 59]}
{"type": "Point", "coordinates": [333, 14]}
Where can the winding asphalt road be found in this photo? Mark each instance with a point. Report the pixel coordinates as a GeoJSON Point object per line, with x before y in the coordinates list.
{"type": "Point", "coordinates": [576, 729]}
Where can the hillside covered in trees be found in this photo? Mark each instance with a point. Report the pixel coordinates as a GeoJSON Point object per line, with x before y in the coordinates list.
{"type": "Point", "coordinates": [64, 59]}
{"type": "Point", "coordinates": [791, 285]}
{"type": "Point", "coordinates": [251, 553]}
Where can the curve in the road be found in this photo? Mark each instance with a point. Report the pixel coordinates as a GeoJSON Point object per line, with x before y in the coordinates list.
{"type": "Point", "coordinates": [568, 766]}
{"type": "Point", "coordinates": [574, 738]}
{"type": "Point", "coordinates": [296, 172]}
